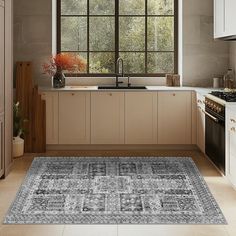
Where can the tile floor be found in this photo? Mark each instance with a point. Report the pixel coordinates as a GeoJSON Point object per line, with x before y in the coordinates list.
{"type": "Point", "coordinates": [224, 194]}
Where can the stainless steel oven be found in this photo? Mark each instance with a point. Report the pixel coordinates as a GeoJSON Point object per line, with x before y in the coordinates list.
{"type": "Point", "coordinates": [215, 132]}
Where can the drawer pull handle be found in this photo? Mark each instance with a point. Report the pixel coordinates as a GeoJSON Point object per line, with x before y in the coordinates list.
{"type": "Point", "coordinates": [72, 94]}
{"type": "Point", "coordinates": [233, 129]}
{"type": "Point", "coordinates": [174, 94]}
{"type": "Point", "coordinates": [210, 116]}
{"type": "Point", "coordinates": [233, 120]}
{"type": "Point", "coordinates": [110, 94]}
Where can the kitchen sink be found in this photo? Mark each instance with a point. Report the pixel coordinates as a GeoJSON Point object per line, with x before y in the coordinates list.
{"type": "Point", "coordinates": [121, 87]}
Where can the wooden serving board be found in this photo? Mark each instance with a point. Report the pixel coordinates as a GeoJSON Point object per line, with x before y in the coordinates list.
{"type": "Point", "coordinates": [39, 122]}
{"type": "Point", "coordinates": [24, 86]}
{"type": "Point", "coordinates": [33, 109]}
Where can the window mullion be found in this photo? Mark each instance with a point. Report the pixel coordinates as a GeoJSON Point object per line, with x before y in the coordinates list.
{"type": "Point", "coordinates": [146, 25]}
{"type": "Point", "coordinates": [116, 30]}
{"type": "Point", "coordinates": [88, 61]}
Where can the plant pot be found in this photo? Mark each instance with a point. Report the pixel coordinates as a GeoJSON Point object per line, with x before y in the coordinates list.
{"type": "Point", "coordinates": [18, 147]}
{"type": "Point", "coordinates": [59, 80]}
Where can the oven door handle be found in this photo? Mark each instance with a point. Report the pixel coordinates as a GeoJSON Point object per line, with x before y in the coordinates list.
{"type": "Point", "coordinates": [210, 116]}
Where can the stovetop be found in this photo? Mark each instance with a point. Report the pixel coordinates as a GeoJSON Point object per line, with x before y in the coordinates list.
{"type": "Point", "coordinates": [226, 96]}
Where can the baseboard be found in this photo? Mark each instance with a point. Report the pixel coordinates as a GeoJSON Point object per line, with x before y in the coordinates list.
{"type": "Point", "coordinates": [8, 170]}
{"type": "Point", "coordinates": [119, 147]}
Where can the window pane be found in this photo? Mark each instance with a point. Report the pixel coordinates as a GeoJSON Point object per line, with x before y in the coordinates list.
{"type": "Point", "coordinates": [73, 7]}
{"type": "Point", "coordinates": [160, 62]}
{"type": "Point", "coordinates": [160, 33]}
{"type": "Point", "coordinates": [132, 7]}
{"type": "Point", "coordinates": [101, 62]}
{"type": "Point", "coordinates": [102, 7]}
{"type": "Point", "coordinates": [74, 34]}
{"type": "Point", "coordinates": [132, 34]}
{"type": "Point", "coordinates": [160, 7]}
{"type": "Point", "coordinates": [102, 34]}
{"type": "Point", "coordinates": [133, 62]}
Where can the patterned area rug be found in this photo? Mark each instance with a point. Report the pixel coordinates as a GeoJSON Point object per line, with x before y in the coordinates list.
{"type": "Point", "coordinates": [139, 190]}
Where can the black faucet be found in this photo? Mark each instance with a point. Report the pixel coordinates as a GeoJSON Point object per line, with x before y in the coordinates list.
{"type": "Point", "coordinates": [119, 60]}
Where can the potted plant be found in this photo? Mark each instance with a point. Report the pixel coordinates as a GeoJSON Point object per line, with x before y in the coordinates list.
{"type": "Point", "coordinates": [18, 131]}
{"type": "Point", "coordinates": [63, 62]}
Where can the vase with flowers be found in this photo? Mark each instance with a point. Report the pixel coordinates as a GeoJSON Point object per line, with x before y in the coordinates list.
{"type": "Point", "coordinates": [63, 62]}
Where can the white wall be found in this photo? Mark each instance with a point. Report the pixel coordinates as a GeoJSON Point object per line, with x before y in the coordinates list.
{"type": "Point", "coordinates": [203, 58]}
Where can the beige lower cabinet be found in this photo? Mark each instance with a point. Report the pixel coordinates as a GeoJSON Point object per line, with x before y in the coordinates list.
{"type": "Point", "coordinates": [51, 99]}
{"type": "Point", "coordinates": [107, 118]}
{"type": "Point", "coordinates": [141, 118]}
{"type": "Point", "coordinates": [74, 118]}
{"type": "Point", "coordinates": [1, 145]}
{"type": "Point", "coordinates": [174, 117]}
{"type": "Point", "coordinates": [200, 122]}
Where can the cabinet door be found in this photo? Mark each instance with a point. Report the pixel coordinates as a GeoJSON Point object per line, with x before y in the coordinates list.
{"type": "Point", "coordinates": [219, 18]}
{"type": "Point", "coordinates": [230, 17]}
{"type": "Point", "coordinates": [231, 146]}
{"type": "Point", "coordinates": [1, 145]}
{"type": "Point", "coordinates": [74, 118]}
{"type": "Point", "coordinates": [2, 35]}
{"type": "Point", "coordinates": [141, 118]}
{"type": "Point", "coordinates": [174, 117]}
{"type": "Point", "coordinates": [51, 99]}
{"type": "Point", "coordinates": [107, 118]}
{"type": "Point", "coordinates": [200, 123]}
{"type": "Point", "coordinates": [201, 129]}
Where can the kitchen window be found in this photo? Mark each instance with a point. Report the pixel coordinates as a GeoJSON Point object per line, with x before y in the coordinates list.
{"type": "Point", "coordinates": [142, 32]}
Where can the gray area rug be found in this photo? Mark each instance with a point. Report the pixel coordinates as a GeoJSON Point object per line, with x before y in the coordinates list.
{"type": "Point", "coordinates": [132, 190]}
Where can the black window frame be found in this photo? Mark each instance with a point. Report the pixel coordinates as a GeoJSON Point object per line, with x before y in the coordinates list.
{"type": "Point", "coordinates": [175, 51]}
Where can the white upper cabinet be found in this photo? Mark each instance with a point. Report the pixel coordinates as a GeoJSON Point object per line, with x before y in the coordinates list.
{"type": "Point", "coordinates": [74, 118]}
{"type": "Point", "coordinates": [174, 118]}
{"type": "Point", "coordinates": [230, 17]}
{"type": "Point", "coordinates": [219, 18]}
{"type": "Point", "coordinates": [224, 18]}
{"type": "Point", "coordinates": [140, 118]}
{"type": "Point", "coordinates": [107, 118]}
{"type": "Point", "coordinates": [2, 35]}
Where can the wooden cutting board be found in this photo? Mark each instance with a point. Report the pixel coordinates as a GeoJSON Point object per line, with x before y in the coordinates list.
{"type": "Point", "coordinates": [33, 109]}
{"type": "Point", "coordinates": [39, 122]}
{"type": "Point", "coordinates": [24, 88]}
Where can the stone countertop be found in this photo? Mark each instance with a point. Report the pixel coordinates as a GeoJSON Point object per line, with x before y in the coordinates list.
{"type": "Point", "coordinates": [203, 91]}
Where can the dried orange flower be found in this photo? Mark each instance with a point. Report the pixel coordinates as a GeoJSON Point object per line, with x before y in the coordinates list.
{"type": "Point", "coordinates": [65, 62]}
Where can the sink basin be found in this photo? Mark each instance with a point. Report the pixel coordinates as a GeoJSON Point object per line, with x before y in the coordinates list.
{"type": "Point", "coordinates": [122, 87]}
